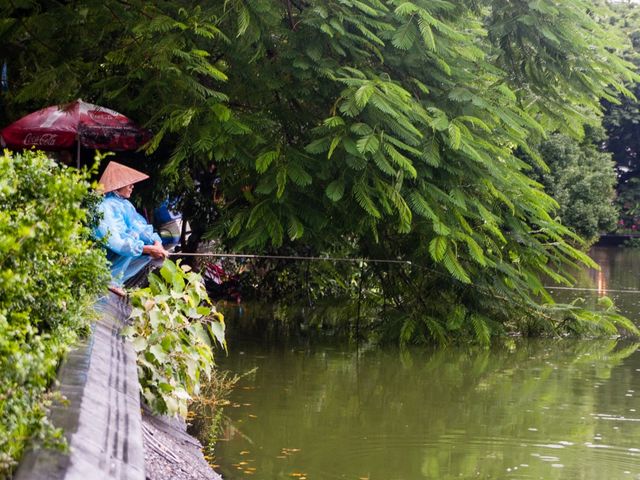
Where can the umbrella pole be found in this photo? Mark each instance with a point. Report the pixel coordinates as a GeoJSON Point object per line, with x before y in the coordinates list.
{"type": "Point", "coordinates": [78, 153]}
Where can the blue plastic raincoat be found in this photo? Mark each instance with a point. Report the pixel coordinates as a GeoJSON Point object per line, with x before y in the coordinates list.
{"type": "Point", "coordinates": [126, 233]}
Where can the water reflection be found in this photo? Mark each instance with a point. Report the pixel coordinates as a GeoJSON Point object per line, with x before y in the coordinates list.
{"type": "Point", "coordinates": [543, 410]}
{"type": "Point", "coordinates": [529, 410]}
{"type": "Point", "coordinates": [619, 266]}
{"type": "Point", "coordinates": [601, 279]}
{"type": "Point", "coordinates": [617, 278]}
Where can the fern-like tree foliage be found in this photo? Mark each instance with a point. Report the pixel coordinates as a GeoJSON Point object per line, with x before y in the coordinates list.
{"type": "Point", "coordinates": [383, 128]}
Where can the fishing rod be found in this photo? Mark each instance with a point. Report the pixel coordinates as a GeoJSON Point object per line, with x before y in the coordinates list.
{"type": "Point", "coordinates": [291, 257]}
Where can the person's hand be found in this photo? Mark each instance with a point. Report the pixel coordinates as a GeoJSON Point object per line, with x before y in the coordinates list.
{"type": "Point", "coordinates": [161, 250]}
{"type": "Point", "coordinates": [156, 250]}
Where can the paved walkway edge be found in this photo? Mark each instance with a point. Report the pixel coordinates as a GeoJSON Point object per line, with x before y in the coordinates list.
{"type": "Point", "coordinates": [101, 420]}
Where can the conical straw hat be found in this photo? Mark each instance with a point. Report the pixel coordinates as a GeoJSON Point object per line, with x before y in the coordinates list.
{"type": "Point", "coordinates": [116, 176]}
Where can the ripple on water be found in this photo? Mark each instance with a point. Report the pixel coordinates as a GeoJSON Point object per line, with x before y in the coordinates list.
{"type": "Point", "coordinates": [349, 424]}
{"type": "Point", "coordinates": [489, 450]}
{"type": "Point", "coordinates": [608, 457]}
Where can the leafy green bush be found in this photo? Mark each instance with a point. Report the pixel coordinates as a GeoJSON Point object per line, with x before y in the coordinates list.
{"type": "Point", "coordinates": [582, 180]}
{"type": "Point", "coordinates": [174, 326]}
{"type": "Point", "coordinates": [628, 201]}
{"type": "Point", "coordinates": [49, 276]}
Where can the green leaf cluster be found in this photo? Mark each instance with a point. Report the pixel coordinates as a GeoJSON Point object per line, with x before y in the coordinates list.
{"type": "Point", "coordinates": [50, 274]}
{"type": "Point", "coordinates": [173, 329]}
{"type": "Point", "coordinates": [582, 179]}
{"type": "Point", "coordinates": [601, 319]}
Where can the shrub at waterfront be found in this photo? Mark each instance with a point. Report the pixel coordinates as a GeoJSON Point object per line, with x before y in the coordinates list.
{"type": "Point", "coordinates": [582, 179]}
{"type": "Point", "coordinates": [174, 328]}
{"type": "Point", "coordinates": [621, 122]}
{"type": "Point", "coordinates": [49, 275]}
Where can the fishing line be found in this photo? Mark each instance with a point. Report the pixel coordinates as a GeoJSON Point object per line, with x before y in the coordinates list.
{"type": "Point", "coordinates": [604, 291]}
{"type": "Point", "coordinates": [291, 257]}
{"type": "Point", "coordinates": [367, 260]}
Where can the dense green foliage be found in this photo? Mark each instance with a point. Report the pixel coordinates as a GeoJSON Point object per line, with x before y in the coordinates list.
{"type": "Point", "coordinates": [49, 275]}
{"type": "Point", "coordinates": [629, 202]}
{"type": "Point", "coordinates": [383, 128]}
{"type": "Point", "coordinates": [174, 327]}
{"type": "Point", "coordinates": [582, 179]}
{"type": "Point", "coordinates": [621, 122]}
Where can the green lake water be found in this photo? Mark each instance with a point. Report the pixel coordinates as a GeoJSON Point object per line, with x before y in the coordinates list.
{"type": "Point", "coordinates": [530, 410]}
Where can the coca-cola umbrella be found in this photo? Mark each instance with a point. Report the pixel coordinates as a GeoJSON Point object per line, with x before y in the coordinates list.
{"type": "Point", "coordinates": [59, 127]}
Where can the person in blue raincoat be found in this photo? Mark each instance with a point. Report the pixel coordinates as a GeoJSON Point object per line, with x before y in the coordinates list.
{"type": "Point", "coordinates": [131, 242]}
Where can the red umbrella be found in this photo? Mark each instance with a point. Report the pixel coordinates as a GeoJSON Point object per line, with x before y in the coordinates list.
{"type": "Point", "coordinates": [58, 127]}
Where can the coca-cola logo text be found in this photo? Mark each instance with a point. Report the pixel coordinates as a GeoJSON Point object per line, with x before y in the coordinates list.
{"type": "Point", "coordinates": [42, 139]}
{"type": "Point", "coordinates": [104, 116]}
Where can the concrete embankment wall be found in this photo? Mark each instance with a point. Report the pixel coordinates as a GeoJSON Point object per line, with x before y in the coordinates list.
{"type": "Point", "coordinates": [108, 435]}
{"type": "Point", "coordinates": [101, 420]}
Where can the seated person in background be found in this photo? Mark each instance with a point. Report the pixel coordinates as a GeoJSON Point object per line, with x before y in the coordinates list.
{"type": "Point", "coordinates": [131, 242]}
{"type": "Point", "coordinates": [168, 223]}
{"type": "Point", "coordinates": [63, 157]}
